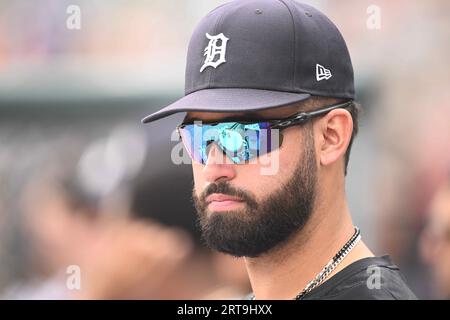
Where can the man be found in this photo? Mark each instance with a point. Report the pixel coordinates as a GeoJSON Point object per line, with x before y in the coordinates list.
{"type": "Point", "coordinates": [269, 125]}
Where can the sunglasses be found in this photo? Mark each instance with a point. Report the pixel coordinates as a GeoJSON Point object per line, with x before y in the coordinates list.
{"type": "Point", "coordinates": [241, 140]}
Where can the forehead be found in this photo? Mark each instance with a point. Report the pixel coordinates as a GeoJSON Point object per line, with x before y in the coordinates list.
{"type": "Point", "coordinates": [273, 113]}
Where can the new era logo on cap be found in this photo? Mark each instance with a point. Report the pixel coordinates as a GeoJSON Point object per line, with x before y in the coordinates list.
{"type": "Point", "coordinates": [322, 73]}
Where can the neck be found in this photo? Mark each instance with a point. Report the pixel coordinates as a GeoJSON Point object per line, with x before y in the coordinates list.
{"type": "Point", "coordinates": [286, 270]}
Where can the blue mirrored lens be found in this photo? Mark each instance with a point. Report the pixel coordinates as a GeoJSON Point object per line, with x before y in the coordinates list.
{"type": "Point", "coordinates": [239, 142]}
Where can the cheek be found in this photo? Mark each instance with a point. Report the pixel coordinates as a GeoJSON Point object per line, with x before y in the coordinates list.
{"type": "Point", "coordinates": [249, 178]}
{"type": "Point", "coordinates": [278, 167]}
{"type": "Point", "coordinates": [199, 181]}
{"type": "Point", "coordinates": [283, 161]}
{"type": "Point", "coordinates": [291, 150]}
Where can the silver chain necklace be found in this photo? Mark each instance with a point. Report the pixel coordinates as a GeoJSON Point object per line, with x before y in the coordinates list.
{"type": "Point", "coordinates": [330, 266]}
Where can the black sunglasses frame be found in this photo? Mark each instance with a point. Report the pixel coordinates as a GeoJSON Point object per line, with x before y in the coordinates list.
{"type": "Point", "coordinates": [302, 117]}
{"type": "Point", "coordinates": [296, 119]}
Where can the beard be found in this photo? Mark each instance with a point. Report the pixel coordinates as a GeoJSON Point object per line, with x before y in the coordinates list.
{"type": "Point", "coordinates": [262, 225]}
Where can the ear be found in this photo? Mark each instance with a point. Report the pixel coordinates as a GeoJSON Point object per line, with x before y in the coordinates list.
{"type": "Point", "coordinates": [335, 132]}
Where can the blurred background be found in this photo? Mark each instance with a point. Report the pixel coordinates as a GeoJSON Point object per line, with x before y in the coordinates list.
{"type": "Point", "coordinates": [83, 183]}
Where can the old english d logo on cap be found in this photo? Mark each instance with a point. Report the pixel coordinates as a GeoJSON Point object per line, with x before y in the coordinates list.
{"type": "Point", "coordinates": [215, 51]}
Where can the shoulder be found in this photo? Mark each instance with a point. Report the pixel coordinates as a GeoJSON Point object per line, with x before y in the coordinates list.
{"type": "Point", "coordinates": [366, 279]}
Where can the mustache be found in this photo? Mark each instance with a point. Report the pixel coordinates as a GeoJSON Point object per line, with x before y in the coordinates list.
{"type": "Point", "coordinates": [225, 188]}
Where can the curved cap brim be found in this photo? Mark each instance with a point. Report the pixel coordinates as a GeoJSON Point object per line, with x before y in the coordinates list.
{"type": "Point", "coordinates": [228, 100]}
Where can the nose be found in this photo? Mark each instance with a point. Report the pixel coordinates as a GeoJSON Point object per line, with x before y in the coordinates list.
{"type": "Point", "coordinates": [218, 167]}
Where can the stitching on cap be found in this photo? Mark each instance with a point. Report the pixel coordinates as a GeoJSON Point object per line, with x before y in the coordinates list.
{"type": "Point", "coordinates": [295, 44]}
{"type": "Point", "coordinates": [218, 21]}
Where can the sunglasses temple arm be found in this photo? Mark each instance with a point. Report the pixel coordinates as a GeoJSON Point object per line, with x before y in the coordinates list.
{"type": "Point", "coordinates": [305, 116]}
{"type": "Point", "coordinates": [325, 110]}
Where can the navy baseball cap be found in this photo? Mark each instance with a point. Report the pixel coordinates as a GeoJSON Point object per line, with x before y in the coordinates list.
{"type": "Point", "coordinates": [249, 55]}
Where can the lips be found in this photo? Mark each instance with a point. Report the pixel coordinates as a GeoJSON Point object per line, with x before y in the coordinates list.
{"type": "Point", "coordinates": [222, 202]}
{"type": "Point", "coordinates": [221, 197]}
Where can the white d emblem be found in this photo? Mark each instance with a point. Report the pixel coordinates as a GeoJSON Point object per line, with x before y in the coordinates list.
{"type": "Point", "coordinates": [212, 50]}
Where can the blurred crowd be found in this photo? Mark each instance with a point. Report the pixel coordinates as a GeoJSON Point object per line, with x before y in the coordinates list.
{"type": "Point", "coordinates": [90, 210]}
{"type": "Point", "coordinates": [84, 184]}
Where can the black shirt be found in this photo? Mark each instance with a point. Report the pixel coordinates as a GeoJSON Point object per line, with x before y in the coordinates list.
{"type": "Point", "coordinates": [371, 278]}
{"type": "Point", "coordinates": [374, 278]}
